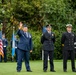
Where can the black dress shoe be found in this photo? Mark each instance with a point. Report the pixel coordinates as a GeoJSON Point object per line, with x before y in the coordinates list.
{"type": "Point", "coordinates": [18, 71]}
{"type": "Point", "coordinates": [52, 70]}
{"type": "Point", "coordinates": [65, 70]}
{"type": "Point", "coordinates": [29, 71]}
{"type": "Point", "coordinates": [74, 71]}
{"type": "Point", "coordinates": [45, 70]}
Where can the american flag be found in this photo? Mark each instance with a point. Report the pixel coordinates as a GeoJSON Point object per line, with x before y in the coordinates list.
{"type": "Point", "coordinates": [1, 48]}
{"type": "Point", "coordinates": [1, 45]}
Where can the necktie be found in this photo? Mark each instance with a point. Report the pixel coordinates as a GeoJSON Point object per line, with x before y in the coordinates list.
{"type": "Point", "coordinates": [26, 34]}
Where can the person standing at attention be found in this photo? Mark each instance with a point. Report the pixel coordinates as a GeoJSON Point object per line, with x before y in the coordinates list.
{"type": "Point", "coordinates": [48, 40]}
{"type": "Point", "coordinates": [67, 41]}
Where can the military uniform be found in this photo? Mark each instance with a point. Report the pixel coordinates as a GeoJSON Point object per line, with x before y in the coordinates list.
{"type": "Point", "coordinates": [5, 43]}
{"type": "Point", "coordinates": [48, 40]}
{"type": "Point", "coordinates": [67, 42]}
{"type": "Point", "coordinates": [24, 47]}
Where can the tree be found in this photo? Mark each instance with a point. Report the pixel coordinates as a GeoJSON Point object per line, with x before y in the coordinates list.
{"type": "Point", "coordinates": [29, 12]}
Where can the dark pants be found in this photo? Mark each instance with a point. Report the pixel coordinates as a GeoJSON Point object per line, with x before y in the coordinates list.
{"type": "Point", "coordinates": [45, 62]}
{"type": "Point", "coordinates": [66, 54]}
{"type": "Point", "coordinates": [16, 54]}
{"type": "Point", "coordinates": [0, 58]}
{"type": "Point", "coordinates": [23, 55]}
{"type": "Point", "coordinates": [5, 54]}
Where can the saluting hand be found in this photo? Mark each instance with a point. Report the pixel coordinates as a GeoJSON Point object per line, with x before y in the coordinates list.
{"type": "Point", "coordinates": [20, 25]}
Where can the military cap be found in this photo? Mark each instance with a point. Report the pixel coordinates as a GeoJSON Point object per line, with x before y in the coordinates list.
{"type": "Point", "coordinates": [69, 25]}
{"type": "Point", "coordinates": [48, 26]}
{"type": "Point", "coordinates": [24, 25]}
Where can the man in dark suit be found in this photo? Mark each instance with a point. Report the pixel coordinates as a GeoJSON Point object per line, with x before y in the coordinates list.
{"type": "Point", "coordinates": [5, 43]}
{"type": "Point", "coordinates": [48, 39]}
{"type": "Point", "coordinates": [24, 47]}
{"type": "Point", "coordinates": [67, 41]}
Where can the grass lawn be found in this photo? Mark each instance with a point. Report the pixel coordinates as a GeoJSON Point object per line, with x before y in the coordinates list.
{"type": "Point", "coordinates": [9, 68]}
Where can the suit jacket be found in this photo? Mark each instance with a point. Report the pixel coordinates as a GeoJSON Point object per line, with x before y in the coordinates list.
{"type": "Point", "coordinates": [68, 40]}
{"type": "Point", "coordinates": [25, 42]}
{"type": "Point", "coordinates": [48, 41]}
{"type": "Point", "coordinates": [5, 42]}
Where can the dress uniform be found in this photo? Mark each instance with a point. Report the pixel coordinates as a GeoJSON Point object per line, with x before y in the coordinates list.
{"type": "Point", "coordinates": [5, 43]}
{"type": "Point", "coordinates": [48, 39]}
{"type": "Point", "coordinates": [24, 47]}
{"type": "Point", "coordinates": [67, 41]}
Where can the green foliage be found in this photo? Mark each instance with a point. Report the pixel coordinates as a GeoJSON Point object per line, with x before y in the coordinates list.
{"type": "Point", "coordinates": [37, 68]}
{"type": "Point", "coordinates": [58, 50]}
{"type": "Point", "coordinates": [37, 49]}
{"type": "Point", "coordinates": [29, 12]}
{"type": "Point", "coordinates": [5, 11]}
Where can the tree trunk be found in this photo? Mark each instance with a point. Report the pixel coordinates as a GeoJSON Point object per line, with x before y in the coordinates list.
{"type": "Point", "coordinates": [3, 1]}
